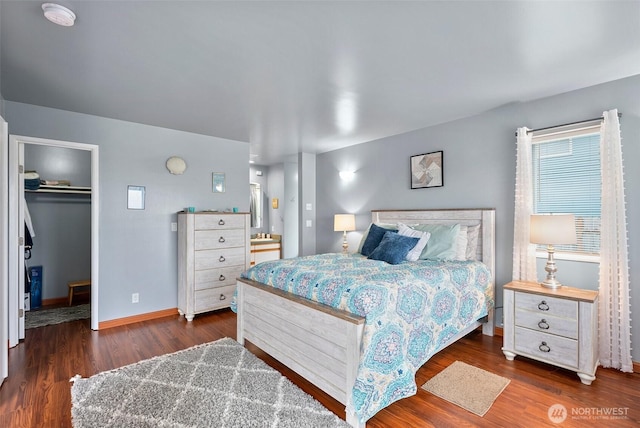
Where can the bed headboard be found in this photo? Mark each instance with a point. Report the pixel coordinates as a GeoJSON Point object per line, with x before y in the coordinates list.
{"type": "Point", "coordinates": [468, 217]}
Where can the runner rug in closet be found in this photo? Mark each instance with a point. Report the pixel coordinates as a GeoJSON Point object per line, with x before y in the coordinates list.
{"type": "Point", "coordinates": [44, 317]}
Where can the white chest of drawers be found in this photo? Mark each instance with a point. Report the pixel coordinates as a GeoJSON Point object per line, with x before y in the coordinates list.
{"type": "Point", "coordinates": [558, 327]}
{"type": "Point", "coordinates": [213, 249]}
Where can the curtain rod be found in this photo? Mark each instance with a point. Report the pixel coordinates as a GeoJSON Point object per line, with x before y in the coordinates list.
{"type": "Point", "coordinates": [567, 124]}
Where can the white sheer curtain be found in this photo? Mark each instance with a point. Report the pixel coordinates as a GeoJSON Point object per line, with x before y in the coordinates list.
{"type": "Point", "coordinates": [524, 252]}
{"type": "Point", "coordinates": [614, 311]}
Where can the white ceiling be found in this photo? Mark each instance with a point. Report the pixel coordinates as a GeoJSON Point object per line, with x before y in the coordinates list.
{"type": "Point", "coordinates": [310, 76]}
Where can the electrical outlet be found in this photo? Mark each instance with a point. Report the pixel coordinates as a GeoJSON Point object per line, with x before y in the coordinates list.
{"type": "Point", "coordinates": [135, 298]}
{"type": "Point", "coordinates": [174, 227]}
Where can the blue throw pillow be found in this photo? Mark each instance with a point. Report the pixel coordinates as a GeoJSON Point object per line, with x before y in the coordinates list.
{"type": "Point", "coordinates": [373, 239]}
{"type": "Point", "coordinates": [393, 248]}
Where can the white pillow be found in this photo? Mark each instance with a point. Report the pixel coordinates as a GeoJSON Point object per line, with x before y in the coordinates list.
{"type": "Point", "coordinates": [461, 244]}
{"type": "Point", "coordinates": [415, 252]}
{"type": "Point", "coordinates": [472, 241]}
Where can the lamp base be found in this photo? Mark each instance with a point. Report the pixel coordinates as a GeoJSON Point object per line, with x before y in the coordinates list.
{"type": "Point", "coordinates": [551, 283]}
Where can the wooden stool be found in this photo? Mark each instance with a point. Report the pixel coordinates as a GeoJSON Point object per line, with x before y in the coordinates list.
{"type": "Point", "coordinates": [73, 284]}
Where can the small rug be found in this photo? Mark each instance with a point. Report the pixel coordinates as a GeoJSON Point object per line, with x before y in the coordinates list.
{"type": "Point", "coordinates": [44, 317]}
{"type": "Point", "coordinates": [217, 384]}
{"type": "Point", "coordinates": [469, 387]}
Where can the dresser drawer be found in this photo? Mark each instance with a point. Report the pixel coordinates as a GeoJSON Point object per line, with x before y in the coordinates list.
{"type": "Point", "coordinates": [547, 347]}
{"type": "Point", "coordinates": [214, 298]}
{"type": "Point", "coordinates": [225, 257]}
{"type": "Point", "coordinates": [547, 323]}
{"type": "Point", "coordinates": [547, 305]}
{"type": "Point", "coordinates": [212, 278]}
{"type": "Point", "coordinates": [219, 221]}
{"type": "Point", "coordinates": [221, 238]}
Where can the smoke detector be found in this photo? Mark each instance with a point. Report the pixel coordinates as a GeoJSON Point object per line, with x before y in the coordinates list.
{"type": "Point", "coordinates": [58, 14]}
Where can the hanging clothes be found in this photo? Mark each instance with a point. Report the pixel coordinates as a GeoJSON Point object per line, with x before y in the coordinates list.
{"type": "Point", "coordinates": [27, 218]}
{"type": "Point", "coordinates": [29, 233]}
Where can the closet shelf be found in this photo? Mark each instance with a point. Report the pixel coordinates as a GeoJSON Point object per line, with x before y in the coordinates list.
{"type": "Point", "coordinates": [62, 189]}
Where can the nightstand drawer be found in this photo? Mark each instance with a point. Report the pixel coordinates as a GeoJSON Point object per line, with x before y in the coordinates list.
{"type": "Point", "coordinates": [547, 347]}
{"type": "Point", "coordinates": [547, 323]}
{"type": "Point", "coordinates": [547, 305]}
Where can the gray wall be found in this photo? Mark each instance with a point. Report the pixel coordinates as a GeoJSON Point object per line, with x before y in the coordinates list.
{"type": "Point", "coordinates": [479, 171]}
{"type": "Point", "coordinates": [62, 222]}
{"type": "Point", "coordinates": [290, 208]}
{"type": "Point", "coordinates": [1, 97]}
{"type": "Point", "coordinates": [307, 205]}
{"type": "Point", "coordinates": [276, 190]}
{"type": "Point", "coordinates": [138, 251]}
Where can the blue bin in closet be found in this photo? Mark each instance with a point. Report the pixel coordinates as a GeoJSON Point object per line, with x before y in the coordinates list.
{"type": "Point", "coordinates": [35, 272]}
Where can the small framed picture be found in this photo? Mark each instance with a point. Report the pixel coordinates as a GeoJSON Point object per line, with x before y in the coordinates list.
{"type": "Point", "coordinates": [218, 182]}
{"type": "Point", "coordinates": [135, 197]}
{"type": "Point", "coordinates": [427, 170]}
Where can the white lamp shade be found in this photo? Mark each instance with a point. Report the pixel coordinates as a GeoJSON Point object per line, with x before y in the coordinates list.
{"type": "Point", "coordinates": [553, 229]}
{"type": "Point", "coordinates": [344, 223]}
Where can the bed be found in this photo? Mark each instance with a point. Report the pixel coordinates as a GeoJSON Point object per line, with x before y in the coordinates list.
{"type": "Point", "coordinates": [332, 346]}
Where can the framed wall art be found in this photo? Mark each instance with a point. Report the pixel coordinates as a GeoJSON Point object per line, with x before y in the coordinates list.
{"type": "Point", "coordinates": [427, 170]}
{"type": "Point", "coordinates": [218, 182]}
{"type": "Point", "coordinates": [135, 197]}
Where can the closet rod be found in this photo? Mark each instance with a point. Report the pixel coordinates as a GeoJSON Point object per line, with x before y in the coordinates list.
{"type": "Point", "coordinates": [567, 124]}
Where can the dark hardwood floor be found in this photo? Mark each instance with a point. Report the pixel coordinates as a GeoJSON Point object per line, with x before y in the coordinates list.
{"type": "Point", "coordinates": [37, 392]}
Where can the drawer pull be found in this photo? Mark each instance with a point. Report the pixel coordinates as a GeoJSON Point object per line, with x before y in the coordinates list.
{"type": "Point", "coordinates": [221, 239]}
{"type": "Point", "coordinates": [221, 222]}
{"type": "Point", "coordinates": [543, 324]}
{"type": "Point", "coordinates": [223, 297]}
{"type": "Point", "coordinates": [543, 306]}
{"type": "Point", "coordinates": [544, 347]}
{"type": "Point", "coordinates": [221, 259]}
{"type": "Point", "coordinates": [222, 278]}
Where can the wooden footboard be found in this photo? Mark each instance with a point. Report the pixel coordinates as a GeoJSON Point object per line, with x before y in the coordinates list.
{"type": "Point", "coordinates": [320, 343]}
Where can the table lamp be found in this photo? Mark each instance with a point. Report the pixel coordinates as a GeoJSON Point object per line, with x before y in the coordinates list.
{"type": "Point", "coordinates": [550, 229]}
{"type": "Point", "coordinates": [344, 223]}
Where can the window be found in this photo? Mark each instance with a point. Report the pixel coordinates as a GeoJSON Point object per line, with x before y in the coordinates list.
{"type": "Point", "coordinates": [566, 179]}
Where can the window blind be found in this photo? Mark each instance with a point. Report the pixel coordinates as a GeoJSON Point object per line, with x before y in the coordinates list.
{"type": "Point", "coordinates": [566, 179]}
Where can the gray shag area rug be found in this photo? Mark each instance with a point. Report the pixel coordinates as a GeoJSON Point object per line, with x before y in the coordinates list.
{"type": "Point", "coordinates": [42, 317]}
{"type": "Point", "coordinates": [218, 384]}
{"type": "Point", "coordinates": [469, 387]}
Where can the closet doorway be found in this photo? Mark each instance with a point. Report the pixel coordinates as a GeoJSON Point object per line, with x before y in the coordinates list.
{"type": "Point", "coordinates": [17, 146]}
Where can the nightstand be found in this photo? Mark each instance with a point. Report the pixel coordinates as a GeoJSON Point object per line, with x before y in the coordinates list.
{"type": "Point", "coordinates": [555, 326]}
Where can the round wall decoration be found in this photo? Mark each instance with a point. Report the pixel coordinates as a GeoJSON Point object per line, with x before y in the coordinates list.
{"type": "Point", "coordinates": [176, 165]}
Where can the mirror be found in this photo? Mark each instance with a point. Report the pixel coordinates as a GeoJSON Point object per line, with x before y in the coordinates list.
{"type": "Point", "coordinates": [256, 205]}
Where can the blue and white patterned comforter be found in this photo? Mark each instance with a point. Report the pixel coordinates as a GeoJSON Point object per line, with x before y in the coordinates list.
{"type": "Point", "coordinates": [411, 310]}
